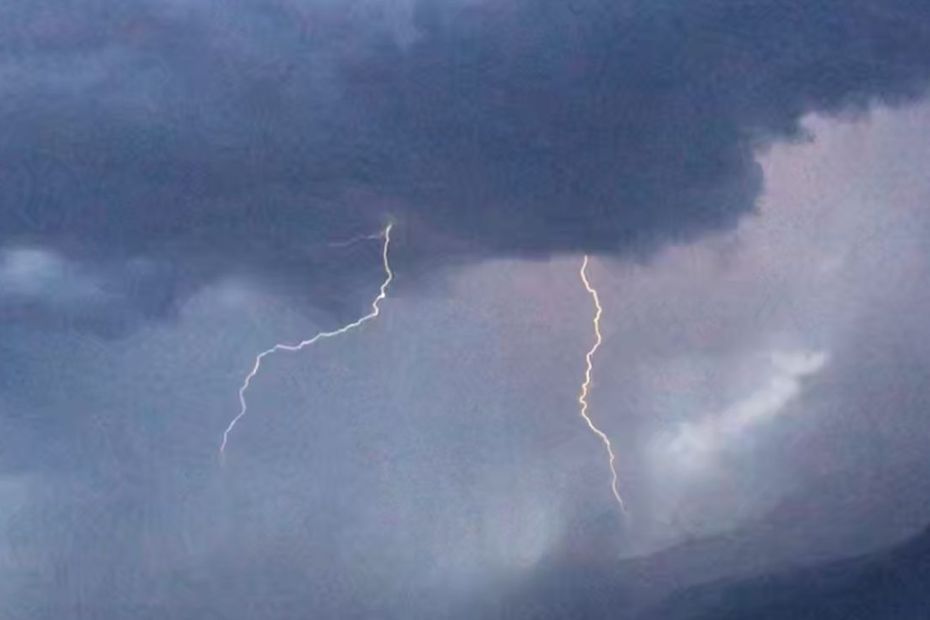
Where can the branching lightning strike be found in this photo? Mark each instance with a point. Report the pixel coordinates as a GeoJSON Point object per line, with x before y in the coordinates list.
{"type": "Point", "coordinates": [357, 239]}
{"type": "Point", "coordinates": [375, 311]}
{"type": "Point", "coordinates": [586, 386]}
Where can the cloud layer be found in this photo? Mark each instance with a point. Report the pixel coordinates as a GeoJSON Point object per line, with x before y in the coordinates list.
{"type": "Point", "coordinates": [435, 461]}
{"type": "Point", "coordinates": [212, 138]}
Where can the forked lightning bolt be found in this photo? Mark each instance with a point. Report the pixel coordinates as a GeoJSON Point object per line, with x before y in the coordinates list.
{"type": "Point", "coordinates": [375, 311]}
{"type": "Point", "coordinates": [586, 386]}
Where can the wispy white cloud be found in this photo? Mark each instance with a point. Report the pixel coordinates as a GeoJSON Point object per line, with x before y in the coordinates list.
{"type": "Point", "coordinates": [30, 274]}
{"type": "Point", "coordinates": [694, 444]}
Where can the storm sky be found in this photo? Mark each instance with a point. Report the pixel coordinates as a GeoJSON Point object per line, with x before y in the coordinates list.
{"type": "Point", "coordinates": [749, 178]}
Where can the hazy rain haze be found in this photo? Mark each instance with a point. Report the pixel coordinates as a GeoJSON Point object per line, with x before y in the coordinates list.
{"type": "Point", "coordinates": [185, 184]}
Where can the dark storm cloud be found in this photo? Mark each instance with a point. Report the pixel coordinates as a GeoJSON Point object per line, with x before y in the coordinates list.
{"type": "Point", "coordinates": [212, 138]}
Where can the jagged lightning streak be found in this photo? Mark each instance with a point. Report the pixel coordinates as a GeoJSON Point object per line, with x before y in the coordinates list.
{"type": "Point", "coordinates": [586, 386]}
{"type": "Point", "coordinates": [375, 311]}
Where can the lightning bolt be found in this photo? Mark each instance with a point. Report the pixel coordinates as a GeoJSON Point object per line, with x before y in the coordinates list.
{"type": "Point", "coordinates": [375, 311]}
{"type": "Point", "coordinates": [354, 240]}
{"type": "Point", "coordinates": [586, 385]}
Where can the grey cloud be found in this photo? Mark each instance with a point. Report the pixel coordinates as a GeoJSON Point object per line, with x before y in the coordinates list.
{"type": "Point", "coordinates": [51, 290]}
{"type": "Point", "coordinates": [434, 466]}
{"type": "Point", "coordinates": [236, 137]}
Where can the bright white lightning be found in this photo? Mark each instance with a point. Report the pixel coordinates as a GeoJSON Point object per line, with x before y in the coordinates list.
{"type": "Point", "coordinates": [586, 386]}
{"type": "Point", "coordinates": [375, 311]}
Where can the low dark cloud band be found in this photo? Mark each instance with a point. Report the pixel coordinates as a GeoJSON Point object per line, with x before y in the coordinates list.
{"type": "Point", "coordinates": [214, 138]}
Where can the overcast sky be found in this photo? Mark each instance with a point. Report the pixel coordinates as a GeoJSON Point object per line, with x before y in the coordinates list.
{"type": "Point", "coordinates": [749, 179]}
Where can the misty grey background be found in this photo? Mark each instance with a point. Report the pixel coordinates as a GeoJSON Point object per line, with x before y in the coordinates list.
{"type": "Point", "coordinates": [173, 172]}
{"type": "Point", "coordinates": [438, 450]}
